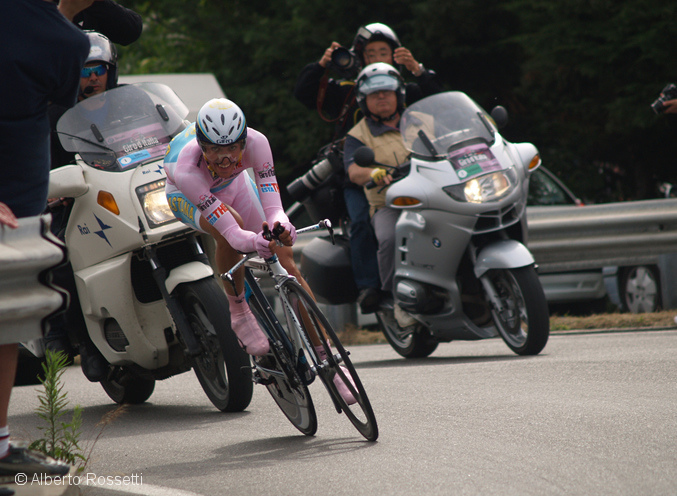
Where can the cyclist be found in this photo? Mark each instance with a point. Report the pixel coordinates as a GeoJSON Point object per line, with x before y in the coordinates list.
{"type": "Point", "coordinates": [208, 189]}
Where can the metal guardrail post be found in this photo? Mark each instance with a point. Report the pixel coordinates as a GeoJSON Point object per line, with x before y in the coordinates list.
{"type": "Point", "coordinates": [27, 296]}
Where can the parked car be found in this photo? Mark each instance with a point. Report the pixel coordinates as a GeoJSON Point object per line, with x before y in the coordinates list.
{"type": "Point", "coordinates": [635, 289]}
{"type": "Point", "coordinates": [583, 288]}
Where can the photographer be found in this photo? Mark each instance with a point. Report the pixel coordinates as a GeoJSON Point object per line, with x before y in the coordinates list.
{"type": "Point", "coordinates": [334, 99]}
{"type": "Point", "coordinates": [670, 107]}
{"type": "Point", "coordinates": [335, 102]}
{"type": "Point", "coordinates": [666, 103]}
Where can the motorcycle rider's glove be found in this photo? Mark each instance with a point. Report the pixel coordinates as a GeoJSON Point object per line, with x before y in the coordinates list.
{"type": "Point", "coordinates": [378, 175]}
{"type": "Point", "coordinates": [262, 246]}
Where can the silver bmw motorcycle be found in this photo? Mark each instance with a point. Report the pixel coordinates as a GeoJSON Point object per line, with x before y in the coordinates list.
{"type": "Point", "coordinates": [462, 268]}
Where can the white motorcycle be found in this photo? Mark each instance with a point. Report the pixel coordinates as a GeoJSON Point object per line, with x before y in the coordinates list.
{"type": "Point", "coordinates": [462, 269]}
{"type": "Point", "coordinates": [147, 294]}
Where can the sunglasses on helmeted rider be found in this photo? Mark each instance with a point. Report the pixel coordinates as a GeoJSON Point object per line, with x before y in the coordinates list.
{"type": "Point", "coordinates": [99, 70]}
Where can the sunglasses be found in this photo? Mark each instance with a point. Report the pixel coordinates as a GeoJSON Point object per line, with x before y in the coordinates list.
{"type": "Point", "coordinates": [99, 70]}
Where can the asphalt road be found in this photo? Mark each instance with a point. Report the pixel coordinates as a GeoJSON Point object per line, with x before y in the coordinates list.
{"type": "Point", "coordinates": [593, 414]}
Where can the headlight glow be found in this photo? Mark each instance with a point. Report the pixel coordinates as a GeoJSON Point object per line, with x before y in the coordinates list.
{"type": "Point", "coordinates": [491, 187]}
{"type": "Point", "coordinates": [154, 203]}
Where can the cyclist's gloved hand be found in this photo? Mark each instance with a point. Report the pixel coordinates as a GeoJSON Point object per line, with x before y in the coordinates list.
{"type": "Point", "coordinates": [288, 236]}
{"type": "Point", "coordinates": [262, 246]}
{"type": "Point", "coordinates": [378, 175]}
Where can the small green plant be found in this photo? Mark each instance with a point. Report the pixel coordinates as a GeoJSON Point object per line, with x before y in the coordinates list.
{"type": "Point", "coordinates": [61, 439]}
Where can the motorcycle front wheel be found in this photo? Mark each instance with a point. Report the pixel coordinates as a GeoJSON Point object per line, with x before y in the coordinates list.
{"type": "Point", "coordinates": [523, 321]}
{"type": "Point", "coordinates": [223, 367]}
{"type": "Point", "coordinates": [414, 342]}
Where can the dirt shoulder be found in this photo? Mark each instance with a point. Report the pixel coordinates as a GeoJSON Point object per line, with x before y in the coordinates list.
{"type": "Point", "coordinates": [559, 324]}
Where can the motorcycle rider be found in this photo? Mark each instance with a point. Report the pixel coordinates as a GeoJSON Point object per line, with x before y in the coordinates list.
{"type": "Point", "coordinates": [98, 75]}
{"type": "Point", "coordinates": [381, 97]}
{"type": "Point", "coordinates": [207, 190]}
{"type": "Point", "coordinates": [375, 42]}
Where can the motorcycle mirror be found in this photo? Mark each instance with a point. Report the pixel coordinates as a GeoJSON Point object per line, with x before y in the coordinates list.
{"type": "Point", "coordinates": [364, 156]}
{"type": "Point", "coordinates": [500, 116]}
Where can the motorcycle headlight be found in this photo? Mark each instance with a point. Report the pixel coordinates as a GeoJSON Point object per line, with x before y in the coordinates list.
{"type": "Point", "coordinates": [154, 203]}
{"type": "Point", "coordinates": [483, 189]}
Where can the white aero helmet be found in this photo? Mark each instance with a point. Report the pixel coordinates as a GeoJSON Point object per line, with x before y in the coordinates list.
{"type": "Point", "coordinates": [221, 122]}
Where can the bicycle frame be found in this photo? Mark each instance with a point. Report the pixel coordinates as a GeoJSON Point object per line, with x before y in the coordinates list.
{"type": "Point", "coordinates": [280, 276]}
{"type": "Point", "coordinates": [285, 371]}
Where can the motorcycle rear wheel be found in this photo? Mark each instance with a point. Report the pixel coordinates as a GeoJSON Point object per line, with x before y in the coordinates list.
{"type": "Point", "coordinates": [412, 343]}
{"type": "Point", "coordinates": [223, 367]}
{"type": "Point", "coordinates": [524, 320]}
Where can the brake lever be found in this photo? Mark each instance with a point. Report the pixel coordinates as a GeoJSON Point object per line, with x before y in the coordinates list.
{"type": "Point", "coordinates": [278, 230]}
{"type": "Point", "coordinates": [267, 235]}
{"type": "Point", "coordinates": [326, 223]}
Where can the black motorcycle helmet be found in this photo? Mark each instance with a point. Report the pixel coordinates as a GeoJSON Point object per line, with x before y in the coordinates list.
{"type": "Point", "coordinates": [101, 49]}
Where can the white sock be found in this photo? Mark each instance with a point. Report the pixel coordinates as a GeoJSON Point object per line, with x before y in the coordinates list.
{"type": "Point", "coordinates": [4, 441]}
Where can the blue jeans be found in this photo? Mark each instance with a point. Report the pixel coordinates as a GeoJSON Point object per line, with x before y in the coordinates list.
{"type": "Point", "coordinates": [363, 244]}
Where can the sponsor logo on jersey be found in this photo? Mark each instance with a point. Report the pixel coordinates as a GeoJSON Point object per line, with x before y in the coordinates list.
{"type": "Point", "coordinates": [178, 204]}
{"type": "Point", "coordinates": [270, 188]}
{"type": "Point", "coordinates": [205, 202]}
{"type": "Point", "coordinates": [220, 211]}
{"type": "Point", "coordinates": [268, 170]}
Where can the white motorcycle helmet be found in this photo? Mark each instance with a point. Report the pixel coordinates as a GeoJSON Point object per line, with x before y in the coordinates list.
{"type": "Point", "coordinates": [375, 31]}
{"type": "Point", "coordinates": [379, 77]}
{"type": "Point", "coordinates": [221, 122]}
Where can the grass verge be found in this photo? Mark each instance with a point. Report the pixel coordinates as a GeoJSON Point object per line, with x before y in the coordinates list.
{"type": "Point", "coordinates": [558, 324]}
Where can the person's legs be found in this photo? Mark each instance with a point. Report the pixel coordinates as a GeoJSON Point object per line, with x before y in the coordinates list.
{"type": "Point", "coordinates": [384, 221]}
{"type": "Point", "coordinates": [9, 354]}
{"type": "Point", "coordinates": [243, 322]}
{"type": "Point", "coordinates": [15, 459]}
{"type": "Point", "coordinates": [363, 248]}
{"type": "Point", "coordinates": [384, 226]}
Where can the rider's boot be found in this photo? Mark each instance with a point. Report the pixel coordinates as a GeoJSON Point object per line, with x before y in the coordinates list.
{"type": "Point", "coordinates": [251, 337]}
{"type": "Point", "coordinates": [338, 381]}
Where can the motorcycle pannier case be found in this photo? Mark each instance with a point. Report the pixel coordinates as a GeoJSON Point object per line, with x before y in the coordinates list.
{"type": "Point", "coordinates": [327, 270]}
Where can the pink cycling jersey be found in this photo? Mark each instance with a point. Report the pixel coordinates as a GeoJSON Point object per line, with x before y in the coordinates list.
{"type": "Point", "coordinates": [188, 173]}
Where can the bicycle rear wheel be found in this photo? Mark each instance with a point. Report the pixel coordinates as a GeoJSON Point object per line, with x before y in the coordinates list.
{"type": "Point", "coordinates": [314, 323]}
{"type": "Point", "coordinates": [278, 372]}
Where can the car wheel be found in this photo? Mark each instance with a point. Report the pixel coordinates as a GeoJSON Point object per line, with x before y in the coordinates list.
{"type": "Point", "coordinates": [640, 289]}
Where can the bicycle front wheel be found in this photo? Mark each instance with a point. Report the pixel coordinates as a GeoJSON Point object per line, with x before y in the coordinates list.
{"type": "Point", "coordinates": [278, 373]}
{"type": "Point", "coordinates": [317, 329]}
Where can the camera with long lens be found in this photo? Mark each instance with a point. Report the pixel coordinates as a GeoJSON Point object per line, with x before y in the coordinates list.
{"type": "Point", "coordinates": [345, 62]}
{"type": "Point", "coordinates": [302, 187]}
{"type": "Point", "coordinates": [320, 190]}
{"type": "Point", "coordinates": [668, 93]}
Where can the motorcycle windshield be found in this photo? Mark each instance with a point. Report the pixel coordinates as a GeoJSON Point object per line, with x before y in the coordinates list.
{"type": "Point", "coordinates": [441, 124]}
{"type": "Point", "coordinates": [124, 127]}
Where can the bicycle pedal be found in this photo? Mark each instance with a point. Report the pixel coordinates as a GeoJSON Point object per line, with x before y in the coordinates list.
{"type": "Point", "coordinates": [264, 382]}
{"type": "Point", "coordinates": [303, 369]}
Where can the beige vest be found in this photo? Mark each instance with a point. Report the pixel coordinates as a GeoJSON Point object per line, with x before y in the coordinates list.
{"type": "Point", "coordinates": [388, 149]}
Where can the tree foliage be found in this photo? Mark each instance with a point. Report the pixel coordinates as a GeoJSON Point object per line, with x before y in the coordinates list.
{"type": "Point", "coordinates": [577, 76]}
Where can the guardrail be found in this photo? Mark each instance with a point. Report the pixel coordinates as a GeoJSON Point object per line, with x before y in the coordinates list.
{"type": "Point", "coordinates": [27, 297]}
{"type": "Point", "coordinates": [595, 236]}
